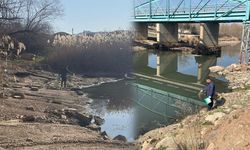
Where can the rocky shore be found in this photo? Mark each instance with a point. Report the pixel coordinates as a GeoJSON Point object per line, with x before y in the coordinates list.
{"type": "Point", "coordinates": [187, 46]}
{"type": "Point", "coordinates": [36, 114]}
{"type": "Point", "coordinates": [226, 127]}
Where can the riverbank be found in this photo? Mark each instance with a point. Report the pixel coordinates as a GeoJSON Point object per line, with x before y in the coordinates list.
{"type": "Point", "coordinates": [226, 127]}
{"type": "Point", "coordinates": [36, 114]}
{"type": "Point", "coordinates": [185, 46]}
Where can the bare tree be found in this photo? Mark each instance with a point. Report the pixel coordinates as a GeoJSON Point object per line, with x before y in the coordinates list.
{"type": "Point", "coordinates": [41, 12]}
{"type": "Point", "coordinates": [29, 21]}
{"type": "Point", "coordinates": [29, 15]}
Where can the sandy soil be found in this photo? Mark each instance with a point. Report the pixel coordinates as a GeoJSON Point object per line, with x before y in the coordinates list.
{"type": "Point", "coordinates": [16, 135]}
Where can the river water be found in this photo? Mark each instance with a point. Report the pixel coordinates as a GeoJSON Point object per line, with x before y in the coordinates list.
{"type": "Point", "coordinates": [164, 90]}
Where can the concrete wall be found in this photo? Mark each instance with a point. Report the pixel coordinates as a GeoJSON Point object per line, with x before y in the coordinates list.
{"type": "Point", "coordinates": [209, 34]}
{"type": "Point", "coordinates": [167, 33]}
{"type": "Point", "coordinates": [141, 31]}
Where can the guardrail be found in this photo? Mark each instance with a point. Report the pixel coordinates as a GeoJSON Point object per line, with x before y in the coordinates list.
{"type": "Point", "coordinates": [226, 11]}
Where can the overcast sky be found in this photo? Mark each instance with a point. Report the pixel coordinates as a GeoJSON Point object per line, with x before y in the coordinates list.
{"type": "Point", "coordinates": [94, 15]}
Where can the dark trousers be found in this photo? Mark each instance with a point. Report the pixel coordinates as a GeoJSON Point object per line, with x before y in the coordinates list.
{"type": "Point", "coordinates": [63, 83]}
{"type": "Point", "coordinates": [210, 105]}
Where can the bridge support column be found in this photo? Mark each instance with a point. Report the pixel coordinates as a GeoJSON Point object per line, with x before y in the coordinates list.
{"type": "Point", "coordinates": [141, 31]}
{"type": "Point", "coordinates": [167, 33]}
{"type": "Point", "coordinates": [209, 34]}
{"type": "Point", "coordinates": [158, 70]}
{"type": "Point", "coordinates": [199, 74]}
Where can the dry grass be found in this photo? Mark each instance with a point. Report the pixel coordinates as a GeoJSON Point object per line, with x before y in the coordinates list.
{"type": "Point", "coordinates": [231, 30]}
{"type": "Point", "coordinates": [107, 54]}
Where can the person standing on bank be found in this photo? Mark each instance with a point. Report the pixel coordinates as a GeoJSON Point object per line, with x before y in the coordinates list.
{"type": "Point", "coordinates": [209, 90]}
{"type": "Point", "coordinates": [63, 75]}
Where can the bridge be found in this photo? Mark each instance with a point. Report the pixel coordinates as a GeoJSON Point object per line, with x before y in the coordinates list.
{"type": "Point", "coordinates": [191, 11]}
{"type": "Point", "coordinates": [209, 13]}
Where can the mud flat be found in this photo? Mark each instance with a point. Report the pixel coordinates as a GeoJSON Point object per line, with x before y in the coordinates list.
{"type": "Point", "coordinates": [36, 114]}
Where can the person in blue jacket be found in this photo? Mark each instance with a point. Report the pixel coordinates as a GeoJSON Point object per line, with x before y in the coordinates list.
{"type": "Point", "coordinates": [210, 93]}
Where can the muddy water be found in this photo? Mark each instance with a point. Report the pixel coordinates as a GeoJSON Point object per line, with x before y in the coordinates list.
{"type": "Point", "coordinates": [165, 89]}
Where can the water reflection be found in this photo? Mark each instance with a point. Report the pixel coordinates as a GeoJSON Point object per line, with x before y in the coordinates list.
{"type": "Point", "coordinates": [176, 68]}
{"type": "Point", "coordinates": [165, 88]}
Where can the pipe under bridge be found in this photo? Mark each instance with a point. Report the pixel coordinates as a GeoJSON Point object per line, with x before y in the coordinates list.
{"type": "Point", "coordinates": [209, 13]}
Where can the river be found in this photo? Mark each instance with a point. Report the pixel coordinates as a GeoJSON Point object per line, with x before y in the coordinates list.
{"type": "Point", "coordinates": [164, 90]}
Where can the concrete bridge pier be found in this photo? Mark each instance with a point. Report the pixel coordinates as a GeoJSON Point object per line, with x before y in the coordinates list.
{"type": "Point", "coordinates": [166, 64]}
{"type": "Point", "coordinates": [141, 31]}
{"type": "Point", "coordinates": [167, 33]}
{"type": "Point", "coordinates": [209, 34]}
{"type": "Point", "coordinates": [203, 67]}
{"type": "Point", "coordinates": [158, 69]}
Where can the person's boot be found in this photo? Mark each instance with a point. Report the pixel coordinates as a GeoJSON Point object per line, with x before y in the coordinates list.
{"type": "Point", "coordinates": [214, 104]}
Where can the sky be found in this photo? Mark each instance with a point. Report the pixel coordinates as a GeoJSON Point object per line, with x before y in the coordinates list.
{"type": "Point", "coordinates": [94, 15]}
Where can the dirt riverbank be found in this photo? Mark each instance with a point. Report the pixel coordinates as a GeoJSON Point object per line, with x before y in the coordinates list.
{"type": "Point", "coordinates": [186, 47]}
{"type": "Point", "coordinates": [36, 114]}
{"type": "Point", "coordinates": [226, 127]}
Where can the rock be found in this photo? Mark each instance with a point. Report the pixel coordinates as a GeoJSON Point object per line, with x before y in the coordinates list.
{"type": "Point", "coordinates": [98, 120]}
{"type": "Point", "coordinates": [211, 147]}
{"type": "Point", "coordinates": [54, 113]}
{"type": "Point", "coordinates": [146, 145]}
{"type": "Point", "coordinates": [34, 89]}
{"type": "Point", "coordinates": [78, 118]}
{"type": "Point", "coordinates": [234, 87]}
{"type": "Point", "coordinates": [56, 102]}
{"type": "Point", "coordinates": [214, 117]}
{"type": "Point", "coordinates": [18, 95]}
{"type": "Point", "coordinates": [238, 68]}
{"type": "Point", "coordinates": [29, 140]}
{"type": "Point", "coordinates": [231, 67]}
{"type": "Point", "coordinates": [22, 74]}
{"type": "Point", "coordinates": [75, 89]}
{"type": "Point", "coordinates": [63, 117]}
{"type": "Point", "coordinates": [30, 108]}
{"type": "Point", "coordinates": [94, 127]}
{"type": "Point", "coordinates": [242, 86]}
{"type": "Point", "coordinates": [220, 73]}
{"type": "Point", "coordinates": [5, 85]}
{"type": "Point", "coordinates": [104, 135]}
{"type": "Point", "coordinates": [120, 138]}
{"type": "Point", "coordinates": [166, 142]}
{"type": "Point", "coordinates": [3, 95]}
{"type": "Point", "coordinates": [216, 69]}
{"type": "Point", "coordinates": [29, 118]}
{"type": "Point", "coordinates": [79, 92]}
{"type": "Point", "coordinates": [225, 72]}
